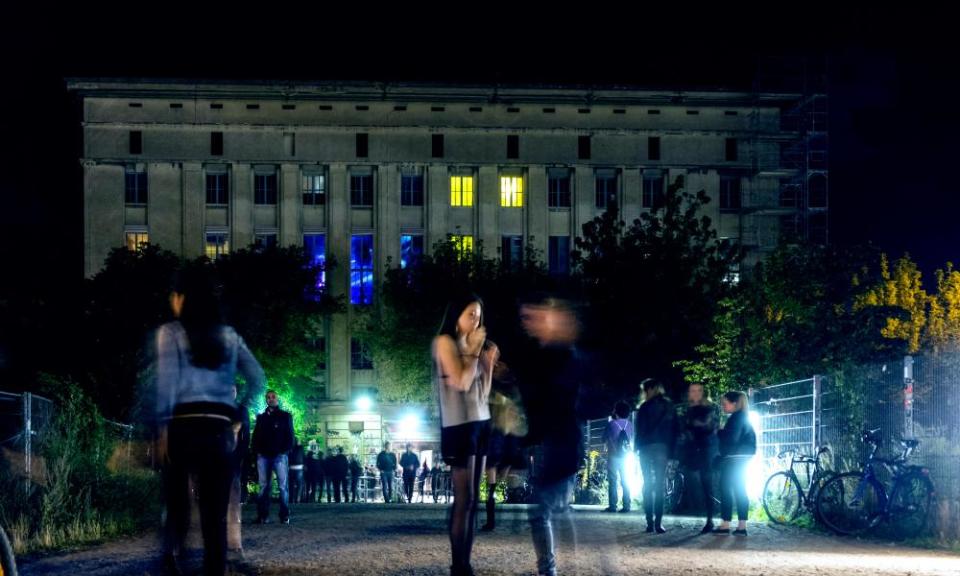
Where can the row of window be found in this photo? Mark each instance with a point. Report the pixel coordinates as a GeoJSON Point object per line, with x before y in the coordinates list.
{"type": "Point", "coordinates": [559, 195]}
{"type": "Point", "coordinates": [437, 147]}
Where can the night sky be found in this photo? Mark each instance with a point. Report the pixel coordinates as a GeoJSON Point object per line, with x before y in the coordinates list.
{"type": "Point", "coordinates": [893, 86]}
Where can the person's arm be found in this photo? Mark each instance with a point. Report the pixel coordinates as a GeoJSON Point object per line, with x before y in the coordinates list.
{"type": "Point", "coordinates": [288, 440]}
{"type": "Point", "coordinates": [251, 371]}
{"type": "Point", "coordinates": [458, 368]}
{"type": "Point", "coordinates": [488, 361]}
{"type": "Point", "coordinates": [168, 372]}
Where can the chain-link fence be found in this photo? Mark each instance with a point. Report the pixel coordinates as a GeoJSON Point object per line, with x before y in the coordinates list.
{"type": "Point", "coordinates": [25, 420]}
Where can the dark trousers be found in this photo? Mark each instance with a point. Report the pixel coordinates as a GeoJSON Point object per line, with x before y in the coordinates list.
{"type": "Point", "coordinates": [330, 482]}
{"type": "Point", "coordinates": [314, 488]}
{"type": "Point", "coordinates": [296, 486]}
{"type": "Point", "coordinates": [354, 485]}
{"type": "Point", "coordinates": [203, 447]}
{"type": "Point", "coordinates": [733, 487]}
{"type": "Point", "coordinates": [408, 481]}
{"type": "Point", "coordinates": [340, 486]}
{"type": "Point", "coordinates": [653, 464]}
{"type": "Point", "coordinates": [617, 473]}
{"type": "Point", "coordinates": [552, 505]}
{"type": "Point", "coordinates": [701, 463]}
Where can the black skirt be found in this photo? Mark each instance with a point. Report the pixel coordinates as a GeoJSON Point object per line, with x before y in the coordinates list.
{"type": "Point", "coordinates": [458, 443]}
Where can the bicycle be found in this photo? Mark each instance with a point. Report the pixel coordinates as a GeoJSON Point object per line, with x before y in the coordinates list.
{"type": "Point", "coordinates": [854, 502]}
{"type": "Point", "coordinates": [784, 495]}
{"type": "Point", "coordinates": [674, 484]}
{"type": "Point", "coordinates": [8, 564]}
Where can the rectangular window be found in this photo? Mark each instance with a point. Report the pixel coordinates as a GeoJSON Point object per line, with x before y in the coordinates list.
{"type": "Point", "coordinates": [135, 186]}
{"type": "Point", "coordinates": [265, 189]}
{"type": "Point", "coordinates": [216, 143]}
{"type": "Point", "coordinates": [136, 142]}
{"type": "Point", "coordinates": [411, 190]}
{"type": "Point", "coordinates": [653, 148]}
{"type": "Point", "coordinates": [137, 241]}
{"type": "Point", "coordinates": [315, 249]}
{"type": "Point", "coordinates": [218, 191]}
{"type": "Point", "coordinates": [513, 146]}
{"type": "Point", "coordinates": [511, 191]}
{"type": "Point", "coordinates": [606, 184]}
{"type": "Point", "coordinates": [730, 193]}
{"type": "Point", "coordinates": [362, 142]}
{"type": "Point", "coordinates": [652, 189]}
{"type": "Point", "coordinates": [361, 269]}
{"type": "Point", "coordinates": [264, 241]}
{"type": "Point", "coordinates": [511, 251]}
{"type": "Point", "coordinates": [461, 190]}
{"type": "Point", "coordinates": [558, 250]}
{"type": "Point", "coordinates": [730, 153]}
{"type": "Point", "coordinates": [314, 189]}
{"type": "Point", "coordinates": [583, 147]}
{"type": "Point", "coordinates": [360, 358]}
{"type": "Point", "coordinates": [558, 189]}
{"type": "Point", "coordinates": [462, 244]}
{"type": "Point", "coordinates": [437, 146]}
{"type": "Point", "coordinates": [361, 190]}
{"type": "Point", "coordinates": [411, 249]}
{"type": "Point", "coordinates": [217, 245]}
{"type": "Point", "coordinates": [789, 195]}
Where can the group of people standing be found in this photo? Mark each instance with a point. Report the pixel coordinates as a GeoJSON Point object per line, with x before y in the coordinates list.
{"type": "Point", "coordinates": [696, 439]}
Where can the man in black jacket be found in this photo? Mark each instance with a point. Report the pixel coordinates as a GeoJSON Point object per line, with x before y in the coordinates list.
{"type": "Point", "coordinates": [410, 464]}
{"type": "Point", "coordinates": [656, 435]}
{"type": "Point", "coordinates": [387, 465]}
{"type": "Point", "coordinates": [340, 469]}
{"type": "Point", "coordinates": [272, 440]}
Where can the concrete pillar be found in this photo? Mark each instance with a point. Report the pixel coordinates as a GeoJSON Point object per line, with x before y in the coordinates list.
{"type": "Point", "coordinates": [241, 207]}
{"type": "Point", "coordinates": [164, 203]}
{"type": "Point", "coordinates": [537, 210]}
{"type": "Point", "coordinates": [487, 201]}
{"type": "Point", "coordinates": [387, 220]}
{"type": "Point", "coordinates": [438, 204]}
{"type": "Point", "coordinates": [103, 213]}
{"type": "Point", "coordinates": [194, 205]}
{"type": "Point", "coordinates": [584, 201]}
{"type": "Point", "coordinates": [630, 195]}
{"type": "Point", "coordinates": [338, 282]}
{"type": "Point", "coordinates": [291, 231]}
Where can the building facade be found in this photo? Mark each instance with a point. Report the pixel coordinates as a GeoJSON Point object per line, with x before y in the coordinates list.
{"type": "Point", "coordinates": [368, 173]}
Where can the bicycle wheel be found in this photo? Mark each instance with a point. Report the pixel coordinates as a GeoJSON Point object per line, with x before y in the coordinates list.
{"type": "Point", "coordinates": [910, 503]}
{"type": "Point", "coordinates": [849, 503]}
{"type": "Point", "coordinates": [8, 565]}
{"type": "Point", "coordinates": [781, 498]}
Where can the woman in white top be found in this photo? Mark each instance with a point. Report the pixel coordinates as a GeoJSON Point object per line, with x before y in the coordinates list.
{"type": "Point", "coordinates": [464, 361]}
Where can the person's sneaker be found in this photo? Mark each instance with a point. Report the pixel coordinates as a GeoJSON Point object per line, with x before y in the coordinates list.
{"type": "Point", "coordinates": [740, 532]}
{"type": "Point", "coordinates": [707, 528]}
{"type": "Point", "coordinates": [285, 520]}
{"type": "Point", "coordinates": [649, 529]}
{"type": "Point", "coordinates": [721, 530]}
{"type": "Point", "coordinates": [660, 530]}
{"type": "Point", "coordinates": [610, 509]}
{"type": "Point", "coordinates": [624, 510]}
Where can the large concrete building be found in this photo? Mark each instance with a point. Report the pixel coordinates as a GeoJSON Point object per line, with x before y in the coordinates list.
{"type": "Point", "coordinates": [366, 172]}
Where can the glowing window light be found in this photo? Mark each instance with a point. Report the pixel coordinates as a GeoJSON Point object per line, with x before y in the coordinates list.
{"type": "Point", "coordinates": [137, 241]}
{"type": "Point", "coordinates": [463, 245]}
{"type": "Point", "coordinates": [511, 191]}
{"type": "Point", "coordinates": [461, 190]}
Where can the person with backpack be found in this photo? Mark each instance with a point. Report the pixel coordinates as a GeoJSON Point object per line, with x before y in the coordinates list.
{"type": "Point", "coordinates": [738, 444]}
{"type": "Point", "coordinates": [656, 434]}
{"type": "Point", "coordinates": [617, 439]}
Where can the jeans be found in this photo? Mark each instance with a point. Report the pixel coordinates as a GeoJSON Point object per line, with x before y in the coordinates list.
{"type": "Point", "coordinates": [653, 463]}
{"type": "Point", "coordinates": [617, 468]}
{"type": "Point", "coordinates": [296, 486]}
{"type": "Point", "coordinates": [201, 446]}
{"type": "Point", "coordinates": [552, 501]}
{"type": "Point", "coordinates": [733, 487]}
{"type": "Point", "coordinates": [386, 483]}
{"type": "Point", "coordinates": [265, 466]}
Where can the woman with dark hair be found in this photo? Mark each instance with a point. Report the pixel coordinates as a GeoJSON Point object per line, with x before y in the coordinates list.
{"type": "Point", "coordinates": [738, 444]}
{"type": "Point", "coordinates": [197, 360]}
{"type": "Point", "coordinates": [464, 361]}
{"type": "Point", "coordinates": [656, 434]}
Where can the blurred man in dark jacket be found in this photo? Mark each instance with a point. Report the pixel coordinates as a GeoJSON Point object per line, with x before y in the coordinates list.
{"type": "Point", "coordinates": [272, 441]}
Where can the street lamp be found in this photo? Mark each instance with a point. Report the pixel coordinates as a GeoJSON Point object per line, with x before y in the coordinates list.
{"type": "Point", "coordinates": [363, 403]}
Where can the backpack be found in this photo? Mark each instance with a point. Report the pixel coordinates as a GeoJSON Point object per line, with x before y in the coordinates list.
{"type": "Point", "coordinates": [623, 443]}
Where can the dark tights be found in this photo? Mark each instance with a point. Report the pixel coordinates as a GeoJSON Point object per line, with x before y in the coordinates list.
{"type": "Point", "coordinates": [463, 512]}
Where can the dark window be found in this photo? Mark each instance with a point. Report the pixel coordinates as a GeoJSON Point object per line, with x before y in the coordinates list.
{"type": "Point", "coordinates": [437, 109]}
{"type": "Point", "coordinates": [437, 145]}
{"type": "Point", "coordinates": [731, 150]}
{"type": "Point", "coordinates": [513, 146]}
{"type": "Point", "coordinates": [652, 191]}
{"type": "Point", "coordinates": [360, 358]}
{"type": "Point", "coordinates": [619, 111]}
{"type": "Point", "coordinates": [361, 190]}
{"type": "Point", "coordinates": [176, 105]}
{"type": "Point", "coordinates": [789, 195]}
{"type": "Point", "coordinates": [817, 191]}
{"type": "Point", "coordinates": [817, 228]}
{"type": "Point", "coordinates": [362, 108]}
{"type": "Point", "coordinates": [789, 228]}
{"type": "Point", "coordinates": [476, 109]}
{"type": "Point", "coordinates": [653, 111]}
{"type": "Point", "coordinates": [653, 148]}
{"type": "Point", "coordinates": [265, 189]}
{"type": "Point", "coordinates": [558, 190]}
{"type": "Point", "coordinates": [513, 110]}
{"type": "Point", "coordinates": [325, 107]}
{"type": "Point", "coordinates": [289, 106]}
{"type": "Point", "coordinates": [583, 110]}
{"type": "Point", "coordinates": [264, 241]}
{"type": "Point", "coordinates": [511, 251]}
{"type": "Point", "coordinates": [399, 108]}
{"type": "Point", "coordinates": [730, 113]}
{"type": "Point", "coordinates": [411, 249]}
{"type": "Point", "coordinates": [216, 143]}
{"type": "Point", "coordinates": [253, 106]}
{"type": "Point", "coordinates": [730, 193]}
{"type": "Point", "coordinates": [549, 110]}
{"type": "Point", "coordinates": [136, 142]}
{"type": "Point", "coordinates": [693, 112]}
{"type": "Point", "coordinates": [411, 190]}
{"type": "Point", "coordinates": [216, 106]}
{"type": "Point", "coordinates": [218, 191]}
{"type": "Point", "coordinates": [362, 145]}
{"type": "Point", "coordinates": [606, 191]}
{"type": "Point", "coordinates": [135, 186]}
{"type": "Point", "coordinates": [558, 249]}
{"type": "Point", "coordinates": [583, 147]}
{"type": "Point", "coordinates": [135, 105]}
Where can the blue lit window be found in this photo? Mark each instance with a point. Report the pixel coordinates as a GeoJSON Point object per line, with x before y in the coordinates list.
{"type": "Point", "coordinates": [361, 269]}
{"type": "Point", "coordinates": [411, 249]}
{"type": "Point", "coordinates": [315, 248]}
{"type": "Point", "coordinates": [559, 255]}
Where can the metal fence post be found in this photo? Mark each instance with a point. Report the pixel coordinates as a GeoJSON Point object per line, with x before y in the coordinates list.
{"type": "Point", "coordinates": [27, 437]}
{"type": "Point", "coordinates": [815, 414]}
{"type": "Point", "coordinates": [908, 396]}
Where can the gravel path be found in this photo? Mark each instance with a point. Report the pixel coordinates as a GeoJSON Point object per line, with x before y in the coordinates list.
{"type": "Point", "coordinates": [354, 539]}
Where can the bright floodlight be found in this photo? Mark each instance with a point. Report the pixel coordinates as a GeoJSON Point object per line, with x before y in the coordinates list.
{"type": "Point", "coordinates": [409, 424]}
{"type": "Point", "coordinates": [364, 403]}
{"type": "Point", "coordinates": [756, 474]}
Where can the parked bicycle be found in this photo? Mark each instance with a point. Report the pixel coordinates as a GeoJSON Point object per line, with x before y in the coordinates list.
{"type": "Point", "coordinates": [854, 502]}
{"type": "Point", "coordinates": [8, 564]}
{"type": "Point", "coordinates": [784, 496]}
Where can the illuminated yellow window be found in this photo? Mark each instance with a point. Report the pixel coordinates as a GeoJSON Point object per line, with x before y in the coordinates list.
{"type": "Point", "coordinates": [461, 190]}
{"type": "Point", "coordinates": [511, 191]}
{"type": "Point", "coordinates": [217, 245]}
{"type": "Point", "coordinates": [137, 241]}
{"type": "Point", "coordinates": [463, 245]}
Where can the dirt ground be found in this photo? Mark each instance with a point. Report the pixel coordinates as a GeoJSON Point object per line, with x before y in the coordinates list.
{"type": "Point", "coordinates": [374, 539]}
